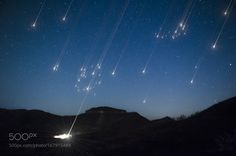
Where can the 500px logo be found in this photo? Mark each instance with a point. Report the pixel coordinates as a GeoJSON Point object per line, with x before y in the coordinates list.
{"type": "Point", "coordinates": [21, 136]}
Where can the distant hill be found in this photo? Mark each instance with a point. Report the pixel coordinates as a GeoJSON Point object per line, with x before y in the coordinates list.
{"type": "Point", "coordinates": [110, 131]}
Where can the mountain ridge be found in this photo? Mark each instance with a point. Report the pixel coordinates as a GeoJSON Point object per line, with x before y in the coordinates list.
{"type": "Point", "coordinates": [111, 131]}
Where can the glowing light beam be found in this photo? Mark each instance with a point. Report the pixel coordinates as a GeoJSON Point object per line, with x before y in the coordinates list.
{"type": "Point", "coordinates": [223, 26]}
{"type": "Point", "coordinates": [67, 10]}
{"type": "Point", "coordinates": [39, 13]}
{"type": "Point", "coordinates": [228, 7]}
{"type": "Point", "coordinates": [63, 136]}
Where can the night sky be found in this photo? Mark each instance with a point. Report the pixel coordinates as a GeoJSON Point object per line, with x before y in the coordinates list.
{"type": "Point", "coordinates": [162, 54]}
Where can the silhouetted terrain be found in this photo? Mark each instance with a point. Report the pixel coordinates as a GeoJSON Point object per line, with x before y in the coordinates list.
{"type": "Point", "coordinates": [109, 131]}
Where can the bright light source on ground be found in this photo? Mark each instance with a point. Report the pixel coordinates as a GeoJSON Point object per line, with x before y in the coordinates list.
{"type": "Point", "coordinates": [63, 136]}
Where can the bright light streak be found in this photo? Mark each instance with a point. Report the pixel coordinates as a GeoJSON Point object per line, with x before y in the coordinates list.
{"type": "Point", "coordinates": [146, 97]}
{"type": "Point", "coordinates": [34, 25]}
{"type": "Point", "coordinates": [55, 67]}
{"type": "Point", "coordinates": [121, 54]}
{"type": "Point", "coordinates": [161, 32]}
{"type": "Point", "coordinates": [113, 73]}
{"type": "Point", "coordinates": [227, 9]}
{"type": "Point", "coordinates": [144, 71]}
{"type": "Point", "coordinates": [222, 27]}
{"type": "Point", "coordinates": [112, 35]}
{"type": "Point", "coordinates": [214, 46]}
{"type": "Point", "coordinates": [147, 62]}
{"type": "Point", "coordinates": [99, 63]}
{"type": "Point", "coordinates": [77, 114]}
{"type": "Point", "coordinates": [63, 136]}
{"type": "Point", "coordinates": [39, 13]}
{"type": "Point", "coordinates": [98, 66]}
{"type": "Point", "coordinates": [93, 73]}
{"type": "Point", "coordinates": [196, 69]}
{"type": "Point", "coordinates": [67, 10]}
{"type": "Point", "coordinates": [184, 19]}
{"type": "Point", "coordinates": [88, 88]}
{"type": "Point", "coordinates": [194, 75]}
{"type": "Point", "coordinates": [191, 81]}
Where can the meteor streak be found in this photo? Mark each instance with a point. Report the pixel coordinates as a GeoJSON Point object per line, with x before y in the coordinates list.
{"type": "Point", "coordinates": [144, 70]}
{"type": "Point", "coordinates": [160, 33]}
{"type": "Point", "coordinates": [57, 64]}
{"type": "Point", "coordinates": [55, 67]}
{"type": "Point", "coordinates": [181, 26]}
{"type": "Point", "coordinates": [196, 68]}
{"type": "Point", "coordinates": [144, 101]}
{"type": "Point", "coordinates": [39, 13]}
{"type": "Point", "coordinates": [194, 75]}
{"type": "Point", "coordinates": [67, 10]}
{"type": "Point", "coordinates": [147, 95]}
{"type": "Point", "coordinates": [112, 35]}
{"type": "Point", "coordinates": [118, 62]}
{"type": "Point", "coordinates": [228, 7]}
{"type": "Point", "coordinates": [125, 46]}
{"type": "Point", "coordinates": [147, 62]}
{"type": "Point", "coordinates": [189, 14]}
{"type": "Point", "coordinates": [223, 25]}
{"type": "Point", "coordinates": [113, 72]}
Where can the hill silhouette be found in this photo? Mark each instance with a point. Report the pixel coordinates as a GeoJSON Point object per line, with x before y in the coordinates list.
{"type": "Point", "coordinates": [110, 131]}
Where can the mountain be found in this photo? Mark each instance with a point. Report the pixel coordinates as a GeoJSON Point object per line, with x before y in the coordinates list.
{"type": "Point", "coordinates": [110, 131]}
{"type": "Point", "coordinates": [210, 132]}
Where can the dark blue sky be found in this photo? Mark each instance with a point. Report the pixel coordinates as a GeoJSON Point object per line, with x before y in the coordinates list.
{"type": "Point", "coordinates": [96, 29]}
